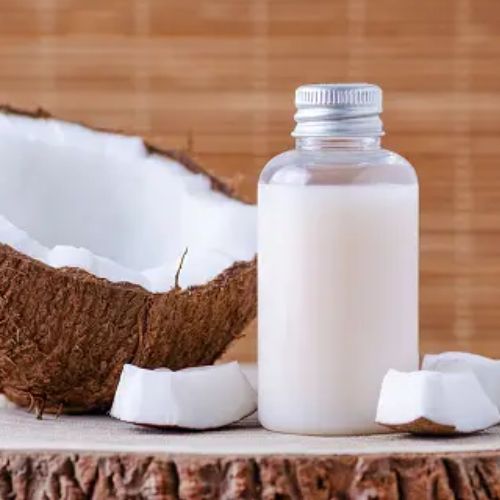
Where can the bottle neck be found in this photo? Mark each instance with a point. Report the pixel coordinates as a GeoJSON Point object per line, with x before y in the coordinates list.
{"type": "Point", "coordinates": [336, 143]}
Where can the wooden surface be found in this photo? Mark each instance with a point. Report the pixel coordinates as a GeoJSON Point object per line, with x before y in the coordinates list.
{"type": "Point", "coordinates": [97, 457]}
{"type": "Point", "coordinates": [21, 431]}
{"type": "Point", "coordinates": [216, 78]}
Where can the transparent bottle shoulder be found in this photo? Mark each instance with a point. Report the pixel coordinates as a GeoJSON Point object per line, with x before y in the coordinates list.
{"type": "Point", "coordinates": [338, 167]}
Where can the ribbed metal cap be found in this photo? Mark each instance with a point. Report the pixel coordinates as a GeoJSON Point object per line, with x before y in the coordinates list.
{"type": "Point", "coordinates": [338, 109]}
{"type": "Point", "coordinates": [341, 95]}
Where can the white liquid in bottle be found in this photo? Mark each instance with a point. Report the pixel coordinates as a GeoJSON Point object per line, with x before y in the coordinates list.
{"type": "Point", "coordinates": [338, 295]}
{"type": "Point", "coordinates": [338, 267]}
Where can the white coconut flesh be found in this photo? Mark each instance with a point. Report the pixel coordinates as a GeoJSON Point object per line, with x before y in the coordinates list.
{"type": "Point", "coordinates": [486, 370]}
{"type": "Point", "coordinates": [451, 400]}
{"type": "Point", "coordinates": [205, 397]}
{"type": "Point", "coordinates": [74, 197]}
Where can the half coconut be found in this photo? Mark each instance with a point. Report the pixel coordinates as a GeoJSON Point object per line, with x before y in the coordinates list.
{"type": "Point", "coordinates": [94, 230]}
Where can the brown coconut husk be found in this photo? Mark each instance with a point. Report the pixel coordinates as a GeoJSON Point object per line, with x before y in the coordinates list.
{"type": "Point", "coordinates": [424, 427]}
{"type": "Point", "coordinates": [65, 333]}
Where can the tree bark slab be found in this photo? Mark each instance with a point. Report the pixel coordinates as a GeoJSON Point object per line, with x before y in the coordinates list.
{"type": "Point", "coordinates": [75, 476]}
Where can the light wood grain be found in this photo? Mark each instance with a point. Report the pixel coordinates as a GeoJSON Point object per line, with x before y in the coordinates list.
{"type": "Point", "coordinates": [216, 78]}
{"type": "Point", "coordinates": [97, 457]}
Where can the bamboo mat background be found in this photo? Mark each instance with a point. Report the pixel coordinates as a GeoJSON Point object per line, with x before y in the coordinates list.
{"type": "Point", "coordinates": [216, 78]}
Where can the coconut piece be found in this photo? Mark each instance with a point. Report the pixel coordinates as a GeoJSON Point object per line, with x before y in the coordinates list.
{"type": "Point", "coordinates": [486, 370]}
{"type": "Point", "coordinates": [426, 402]}
{"type": "Point", "coordinates": [93, 225]}
{"type": "Point", "coordinates": [206, 397]}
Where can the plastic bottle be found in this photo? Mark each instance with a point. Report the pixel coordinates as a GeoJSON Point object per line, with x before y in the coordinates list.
{"type": "Point", "coordinates": [338, 266]}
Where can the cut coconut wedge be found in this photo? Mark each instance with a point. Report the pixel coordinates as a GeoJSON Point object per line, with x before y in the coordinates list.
{"type": "Point", "coordinates": [486, 370]}
{"type": "Point", "coordinates": [195, 398]}
{"type": "Point", "coordinates": [93, 227]}
{"type": "Point", "coordinates": [426, 402]}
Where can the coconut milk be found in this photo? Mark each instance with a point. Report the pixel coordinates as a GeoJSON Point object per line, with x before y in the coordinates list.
{"type": "Point", "coordinates": [338, 302]}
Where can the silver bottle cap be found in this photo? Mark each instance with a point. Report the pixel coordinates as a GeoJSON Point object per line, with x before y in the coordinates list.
{"type": "Point", "coordinates": [338, 109]}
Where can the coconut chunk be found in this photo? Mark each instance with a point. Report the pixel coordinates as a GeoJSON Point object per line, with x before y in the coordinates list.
{"type": "Point", "coordinates": [204, 397]}
{"type": "Point", "coordinates": [426, 402]}
{"type": "Point", "coordinates": [486, 370]}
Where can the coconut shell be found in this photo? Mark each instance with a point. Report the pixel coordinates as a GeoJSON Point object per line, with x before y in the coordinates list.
{"type": "Point", "coordinates": [424, 427]}
{"type": "Point", "coordinates": [65, 333]}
